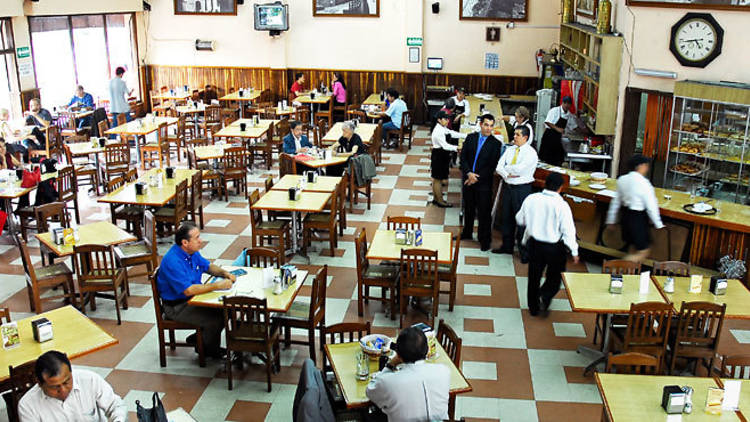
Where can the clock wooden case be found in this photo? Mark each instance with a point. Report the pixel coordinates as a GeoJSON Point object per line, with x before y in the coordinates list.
{"type": "Point", "coordinates": [696, 39]}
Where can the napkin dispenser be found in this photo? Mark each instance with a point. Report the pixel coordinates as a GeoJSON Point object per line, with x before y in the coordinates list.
{"type": "Point", "coordinates": [42, 329]}
{"type": "Point", "coordinates": [673, 399]}
{"type": "Point", "coordinates": [288, 275]}
{"type": "Point", "coordinates": [718, 285]}
{"type": "Point", "coordinates": [402, 237]}
{"type": "Point", "coordinates": [58, 235]}
{"type": "Point", "coordinates": [312, 177]}
{"type": "Point", "coordinates": [615, 284]}
{"type": "Point", "coordinates": [294, 194]}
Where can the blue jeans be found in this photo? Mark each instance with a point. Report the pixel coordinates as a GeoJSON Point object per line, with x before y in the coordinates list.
{"type": "Point", "coordinates": [386, 127]}
{"type": "Point", "coordinates": [114, 122]}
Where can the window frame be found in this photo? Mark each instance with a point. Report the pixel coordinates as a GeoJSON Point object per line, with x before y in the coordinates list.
{"type": "Point", "coordinates": [11, 52]}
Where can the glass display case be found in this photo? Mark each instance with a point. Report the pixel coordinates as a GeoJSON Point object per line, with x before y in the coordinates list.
{"type": "Point", "coordinates": [709, 153]}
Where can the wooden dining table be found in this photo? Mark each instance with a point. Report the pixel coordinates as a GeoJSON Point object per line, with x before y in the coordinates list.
{"type": "Point", "coordinates": [366, 132]}
{"type": "Point", "coordinates": [153, 196]}
{"type": "Point", "coordinates": [99, 233]}
{"type": "Point", "coordinates": [247, 96]}
{"type": "Point", "coordinates": [324, 183]}
{"type": "Point", "coordinates": [384, 247]}
{"type": "Point", "coordinates": [10, 191]}
{"type": "Point", "coordinates": [234, 130]}
{"type": "Point", "coordinates": [737, 296]}
{"type": "Point", "coordinates": [140, 128]}
{"type": "Point", "coordinates": [318, 163]}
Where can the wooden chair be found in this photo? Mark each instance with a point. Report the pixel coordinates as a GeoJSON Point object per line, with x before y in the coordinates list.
{"type": "Point", "coordinates": [87, 173]}
{"type": "Point", "coordinates": [287, 164]}
{"type": "Point", "coordinates": [210, 178]}
{"type": "Point", "coordinates": [177, 141]}
{"type": "Point", "coordinates": [97, 272]}
{"type": "Point", "coordinates": [51, 133]}
{"type": "Point", "coordinates": [248, 328]}
{"type": "Point", "coordinates": [632, 363]}
{"type": "Point", "coordinates": [616, 267]}
{"type": "Point", "coordinates": [67, 190]}
{"type": "Point", "coordinates": [280, 131]}
{"type": "Point", "coordinates": [211, 120]}
{"type": "Point", "coordinates": [404, 132]}
{"type": "Point", "coordinates": [355, 189]}
{"type": "Point", "coordinates": [103, 126]}
{"type": "Point", "coordinates": [309, 316]}
{"type": "Point", "coordinates": [195, 204]}
{"type": "Point", "coordinates": [131, 214]}
{"type": "Point", "coordinates": [66, 122]}
{"type": "Point", "coordinates": [21, 379]}
{"type": "Point", "coordinates": [735, 366]}
{"type": "Point", "coordinates": [234, 169]}
{"type": "Point", "coordinates": [448, 273]}
{"type": "Point", "coordinates": [647, 330]}
{"type": "Point", "coordinates": [262, 230]}
{"type": "Point", "coordinates": [451, 343]}
{"type": "Point", "coordinates": [322, 221]}
{"type": "Point", "coordinates": [140, 252]}
{"type": "Point", "coordinates": [698, 332]}
{"type": "Point", "coordinates": [264, 149]}
{"type": "Point", "coordinates": [319, 131]}
{"type": "Point", "coordinates": [383, 276]}
{"type": "Point", "coordinates": [326, 115]}
{"type": "Point", "coordinates": [262, 257]}
{"type": "Point", "coordinates": [45, 277]}
{"type": "Point", "coordinates": [673, 268]}
{"type": "Point", "coordinates": [342, 192]}
{"type": "Point", "coordinates": [403, 222]}
{"type": "Point", "coordinates": [344, 332]}
{"type": "Point", "coordinates": [116, 160]}
{"type": "Point", "coordinates": [173, 216]}
{"type": "Point", "coordinates": [163, 324]}
{"type": "Point", "coordinates": [160, 148]}
{"type": "Point", "coordinates": [418, 278]}
{"type": "Point", "coordinates": [376, 145]}
{"type": "Point", "coordinates": [4, 315]}
{"type": "Point", "coordinates": [54, 211]}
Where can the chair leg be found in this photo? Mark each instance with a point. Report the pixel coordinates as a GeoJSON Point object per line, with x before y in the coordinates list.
{"type": "Point", "coordinates": [452, 296]}
{"type": "Point", "coordinates": [452, 407]}
{"type": "Point", "coordinates": [172, 345]}
{"type": "Point", "coordinates": [360, 306]}
{"type": "Point", "coordinates": [228, 365]}
{"type": "Point", "coordinates": [75, 207]}
{"type": "Point", "coordinates": [199, 344]}
{"type": "Point", "coordinates": [287, 337]}
{"type": "Point", "coordinates": [393, 303]}
{"type": "Point", "coordinates": [117, 306]}
{"type": "Point", "coordinates": [311, 341]}
{"type": "Point", "coordinates": [162, 348]}
{"type": "Point", "coordinates": [269, 365]}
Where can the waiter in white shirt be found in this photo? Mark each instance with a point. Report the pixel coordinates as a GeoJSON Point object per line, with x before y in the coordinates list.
{"type": "Point", "coordinates": [551, 150]}
{"type": "Point", "coordinates": [549, 230]}
{"type": "Point", "coordinates": [457, 107]}
{"type": "Point", "coordinates": [636, 196]}
{"type": "Point", "coordinates": [516, 167]}
{"type": "Point", "coordinates": [441, 157]}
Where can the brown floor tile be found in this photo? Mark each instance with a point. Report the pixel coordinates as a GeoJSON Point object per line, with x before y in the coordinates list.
{"type": "Point", "coordinates": [128, 334]}
{"type": "Point", "coordinates": [476, 260]}
{"type": "Point", "coordinates": [507, 285]}
{"type": "Point", "coordinates": [540, 333]}
{"type": "Point", "coordinates": [180, 391]}
{"type": "Point", "coordinates": [568, 412]}
{"type": "Point", "coordinates": [513, 374]}
{"type": "Point", "coordinates": [237, 204]}
{"type": "Point", "coordinates": [248, 411]}
{"type": "Point", "coordinates": [574, 374]}
{"type": "Point", "coordinates": [479, 325]}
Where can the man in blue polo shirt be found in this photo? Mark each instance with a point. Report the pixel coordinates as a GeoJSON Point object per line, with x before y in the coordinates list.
{"type": "Point", "coordinates": [395, 112]}
{"type": "Point", "coordinates": [180, 278]}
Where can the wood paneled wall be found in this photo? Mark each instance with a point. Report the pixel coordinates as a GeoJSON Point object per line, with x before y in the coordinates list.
{"type": "Point", "coordinates": [359, 83]}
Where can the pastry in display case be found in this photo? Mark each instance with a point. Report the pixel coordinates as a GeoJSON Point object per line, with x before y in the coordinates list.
{"type": "Point", "coordinates": [708, 144]}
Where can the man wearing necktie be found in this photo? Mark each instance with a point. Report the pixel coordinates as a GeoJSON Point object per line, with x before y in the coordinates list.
{"type": "Point", "coordinates": [479, 156]}
{"type": "Point", "coordinates": [516, 167]}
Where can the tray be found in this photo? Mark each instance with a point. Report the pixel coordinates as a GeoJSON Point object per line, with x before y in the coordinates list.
{"type": "Point", "coordinates": [689, 208]}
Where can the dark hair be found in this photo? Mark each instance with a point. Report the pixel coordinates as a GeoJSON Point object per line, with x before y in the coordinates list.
{"type": "Point", "coordinates": [392, 92]}
{"type": "Point", "coordinates": [411, 345]}
{"type": "Point", "coordinates": [293, 124]}
{"type": "Point", "coordinates": [183, 233]}
{"type": "Point", "coordinates": [298, 75]}
{"type": "Point", "coordinates": [489, 117]}
{"type": "Point", "coordinates": [554, 181]}
{"type": "Point", "coordinates": [49, 364]}
{"type": "Point", "coordinates": [567, 99]}
{"type": "Point", "coordinates": [461, 90]}
{"type": "Point", "coordinates": [120, 71]}
{"type": "Point", "coordinates": [637, 160]}
{"type": "Point", "coordinates": [339, 79]}
{"type": "Point", "coordinates": [524, 131]}
{"type": "Point", "coordinates": [441, 115]}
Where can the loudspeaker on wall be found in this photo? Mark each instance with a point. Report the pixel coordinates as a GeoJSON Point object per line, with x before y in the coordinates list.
{"type": "Point", "coordinates": [436, 7]}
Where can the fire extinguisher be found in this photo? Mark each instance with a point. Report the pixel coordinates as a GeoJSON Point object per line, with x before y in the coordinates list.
{"type": "Point", "coordinates": [539, 56]}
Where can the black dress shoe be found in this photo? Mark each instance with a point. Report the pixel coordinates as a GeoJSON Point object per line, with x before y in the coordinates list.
{"type": "Point", "coordinates": [466, 237]}
{"type": "Point", "coordinates": [502, 250]}
{"type": "Point", "coordinates": [485, 248]}
{"type": "Point", "coordinates": [439, 204]}
{"type": "Point", "coordinates": [192, 339]}
{"type": "Point", "coordinates": [534, 312]}
{"type": "Point", "coordinates": [524, 258]}
{"type": "Point", "coordinates": [544, 306]}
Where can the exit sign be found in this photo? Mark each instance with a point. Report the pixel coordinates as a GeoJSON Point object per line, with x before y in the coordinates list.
{"type": "Point", "coordinates": [23, 52]}
{"type": "Point", "coordinates": [414, 41]}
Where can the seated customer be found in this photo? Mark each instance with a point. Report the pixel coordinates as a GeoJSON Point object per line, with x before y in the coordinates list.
{"type": "Point", "coordinates": [81, 99]}
{"type": "Point", "coordinates": [295, 142]}
{"type": "Point", "coordinates": [66, 394]}
{"type": "Point", "coordinates": [297, 87]}
{"type": "Point", "coordinates": [180, 278]}
{"type": "Point", "coordinates": [348, 144]}
{"type": "Point", "coordinates": [7, 160]}
{"type": "Point", "coordinates": [209, 94]}
{"type": "Point", "coordinates": [338, 88]}
{"type": "Point", "coordinates": [417, 391]}
{"type": "Point", "coordinates": [394, 112]}
{"type": "Point", "coordinates": [37, 116]}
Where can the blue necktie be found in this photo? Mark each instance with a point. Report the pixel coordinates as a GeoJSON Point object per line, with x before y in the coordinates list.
{"type": "Point", "coordinates": [479, 148]}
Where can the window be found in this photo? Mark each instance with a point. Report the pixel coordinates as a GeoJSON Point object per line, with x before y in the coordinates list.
{"type": "Point", "coordinates": [82, 50]}
{"type": "Point", "coordinates": [8, 75]}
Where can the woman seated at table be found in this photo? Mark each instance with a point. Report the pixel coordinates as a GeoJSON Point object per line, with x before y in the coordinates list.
{"type": "Point", "coordinates": [349, 144]}
{"type": "Point", "coordinates": [295, 142]}
{"type": "Point", "coordinates": [7, 160]}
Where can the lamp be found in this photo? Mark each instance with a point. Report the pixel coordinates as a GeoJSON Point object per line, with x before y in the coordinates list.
{"type": "Point", "coordinates": [655, 73]}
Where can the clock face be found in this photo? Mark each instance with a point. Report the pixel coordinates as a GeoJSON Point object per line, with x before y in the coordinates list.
{"type": "Point", "coordinates": [696, 39]}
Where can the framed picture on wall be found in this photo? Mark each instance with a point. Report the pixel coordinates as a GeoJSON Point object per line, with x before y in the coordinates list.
{"type": "Point", "coordinates": [205, 7]}
{"type": "Point", "coordinates": [694, 4]}
{"type": "Point", "coordinates": [493, 10]}
{"type": "Point", "coordinates": [587, 8]}
{"type": "Point", "coordinates": [347, 8]}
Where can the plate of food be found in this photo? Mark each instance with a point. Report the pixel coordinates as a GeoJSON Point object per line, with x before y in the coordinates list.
{"type": "Point", "coordinates": [575, 182]}
{"type": "Point", "coordinates": [701, 208]}
{"type": "Point", "coordinates": [597, 186]}
{"type": "Point", "coordinates": [687, 168]}
{"type": "Point", "coordinates": [598, 176]}
{"type": "Point", "coordinates": [373, 344]}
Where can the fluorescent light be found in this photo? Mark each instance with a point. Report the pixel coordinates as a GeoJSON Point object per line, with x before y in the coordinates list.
{"type": "Point", "coordinates": [656, 73]}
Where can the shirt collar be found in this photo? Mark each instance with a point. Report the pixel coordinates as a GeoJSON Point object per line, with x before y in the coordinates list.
{"type": "Point", "coordinates": [181, 253]}
{"type": "Point", "coordinates": [550, 193]}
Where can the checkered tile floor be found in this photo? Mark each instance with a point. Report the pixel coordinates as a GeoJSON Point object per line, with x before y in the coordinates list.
{"type": "Point", "coordinates": [521, 368]}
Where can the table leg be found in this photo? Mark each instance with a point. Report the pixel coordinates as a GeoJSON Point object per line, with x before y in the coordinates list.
{"type": "Point", "coordinates": [598, 356]}
{"type": "Point", "coordinates": [295, 246]}
{"type": "Point", "coordinates": [12, 229]}
{"type": "Point", "coordinates": [242, 110]}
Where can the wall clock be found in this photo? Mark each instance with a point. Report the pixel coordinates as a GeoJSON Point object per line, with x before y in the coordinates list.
{"type": "Point", "coordinates": [696, 39]}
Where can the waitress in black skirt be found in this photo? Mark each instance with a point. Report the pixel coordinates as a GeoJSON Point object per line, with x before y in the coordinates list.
{"type": "Point", "coordinates": [551, 150]}
{"type": "Point", "coordinates": [441, 157]}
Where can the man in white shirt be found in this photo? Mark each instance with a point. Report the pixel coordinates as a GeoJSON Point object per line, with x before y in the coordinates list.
{"type": "Point", "coordinates": [408, 389]}
{"type": "Point", "coordinates": [551, 149]}
{"type": "Point", "coordinates": [65, 395]}
{"type": "Point", "coordinates": [516, 167]}
{"type": "Point", "coordinates": [118, 96]}
{"type": "Point", "coordinates": [636, 196]}
{"type": "Point", "coordinates": [395, 112]}
{"type": "Point", "coordinates": [457, 106]}
{"type": "Point", "coordinates": [549, 230]}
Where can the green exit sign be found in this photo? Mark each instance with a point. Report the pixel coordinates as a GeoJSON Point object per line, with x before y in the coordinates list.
{"type": "Point", "coordinates": [412, 41]}
{"type": "Point", "coordinates": [23, 52]}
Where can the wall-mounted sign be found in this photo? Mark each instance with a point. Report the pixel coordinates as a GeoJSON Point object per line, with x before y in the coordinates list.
{"type": "Point", "coordinates": [415, 41]}
{"type": "Point", "coordinates": [23, 52]}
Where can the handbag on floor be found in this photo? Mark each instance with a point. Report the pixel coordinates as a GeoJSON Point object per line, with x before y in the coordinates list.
{"type": "Point", "coordinates": [154, 414]}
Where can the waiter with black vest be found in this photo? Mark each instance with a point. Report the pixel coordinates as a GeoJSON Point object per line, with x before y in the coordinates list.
{"type": "Point", "coordinates": [516, 167]}
{"type": "Point", "coordinates": [549, 230]}
{"type": "Point", "coordinates": [551, 150]}
{"type": "Point", "coordinates": [479, 157]}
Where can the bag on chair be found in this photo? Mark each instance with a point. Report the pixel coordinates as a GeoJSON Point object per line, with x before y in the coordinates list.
{"type": "Point", "coordinates": [154, 414]}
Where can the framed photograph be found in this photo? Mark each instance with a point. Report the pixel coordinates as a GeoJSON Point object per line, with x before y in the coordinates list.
{"type": "Point", "coordinates": [587, 8]}
{"type": "Point", "coordinates": [494, 10]}
{"type": "Point", "coordinates": [694, 4]}
{"type": "Point", "coordinates": [413, 54]}
{"type": "Point", "coordinates": [347, 8]}
{"type": "Point", "coordinates": [205, 7]}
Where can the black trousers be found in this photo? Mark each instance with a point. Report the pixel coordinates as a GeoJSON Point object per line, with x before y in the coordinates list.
{"type": "Point", "coordinates": [478, 204]}
{"type": "Point", "coordinates": [553, 257]}
{"type": "Point", "coordinates": [513, 197]}
{"type": "Point", "coordinates": [211, 320]}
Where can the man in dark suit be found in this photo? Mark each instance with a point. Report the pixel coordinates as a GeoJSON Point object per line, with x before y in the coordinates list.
{"type": "Point", "coordinates": [479, 157]}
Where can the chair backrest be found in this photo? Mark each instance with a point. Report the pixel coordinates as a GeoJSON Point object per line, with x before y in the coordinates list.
{"type": "Point", "coordinates": [406, 123]}
{"type": "Point", "coordinates": [54, 140]}
{"type": "Point", "coordinates": [180, 134]}
{"type": "Point", "coordinates": [191, 157]}
{"type": "Point", "coordinates": [404, 222]}
{"type": "Point", "coordinates": [648, 327]}
{"type": "Point", "coordinates": [246, 318]}
{"type": "Point", "coordinates": [282, 129]}
{"type": "Point", "coordinates": [4, 315]}
{"type": "Point", "coordinates": [269, 183]}
{"type": "Point", "coordinates": [735, 366]}
{"type": "Point", "coordinates": [94, 262]}
{"type": "Point", "coordinates": [121, 119]}
{"type": "Point", "coordinates": [199, 142]}
{"type": "Point", "coordinates": [68, 154]}
{"type": "Point", "coordinates": [28, 267]}
{"type": "Point", "coordinates": [114, 184]}
{"type": "Point", "coordinates": [699, 324]}
{"type": "Point", "coordinates": [673, 268]}
{"type": "Point", "coordinates": [132, 175]}
{"type": "Point", "coordinates": [149, 234]}
{"type": "Point", "coordinates": [22, 379]}
{"type": "Point", "coordinates": [234, 159]}
{"type": "Point", "coordinates": [180, 199]}
{"type": "Point", "coordinates": [196, 190]}
{"type": "Point", "coordinates": [450, 341]}
{"type": "Point", "coordinates": [343, 332]}
{"type": "Point", "coordinates": [67, 187]}
{"type": "Point", "coordinates": [632, 363]}
{"type": "Point", "coordinates": [360, 246]}
{"type": "Point", "coordinates": [419, 270]}
{"type": "Point", "coordinates": [157, 298]}
{"type": "Point", "coordinates": [212, 114]}
{"type": "Point", "coordinates": [318, 297]}
{"type": "Point", "coordinates": [66, 120]}
{"type": "Point", "coordinates": [262, 257]}
{"type": "Point", "coordinates": [162, 134]}
{"type": "Point", "coordinates": [51, 210]}
{"type": "Point", "coordinates": [320, 130]}
{"type": "Point", "coordinates": [116, 155]}
{"type": "Point", "coordinates": [256, 216]}
{"type": "Point", "coordinates": [287, 165]}
{"type": "Point", "coordinates": [103, 126]}
{"type": "Point", "coordinates": [621, 267]}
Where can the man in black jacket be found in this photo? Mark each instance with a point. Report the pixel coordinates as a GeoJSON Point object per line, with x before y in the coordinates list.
{"type": "Point", "coordinates": [479, 157]}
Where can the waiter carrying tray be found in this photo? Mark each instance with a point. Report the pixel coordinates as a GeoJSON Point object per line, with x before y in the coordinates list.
{"type": "Point", "coordinates": [636, 196]}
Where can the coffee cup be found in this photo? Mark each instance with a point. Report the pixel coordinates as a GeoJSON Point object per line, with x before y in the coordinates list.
{"type": "Point", "coordinates": [102, 142]}
{"type": "Point", "coordinates": [312, 95]}
{"type": "Point", "coordinates": [139, 188]}
{"type": "Point", "coordinates": [170, 172]}
{"type": "Point", "coordinates": [243, 126]}
{"type": "Point", "coordinates": [241, 93]}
